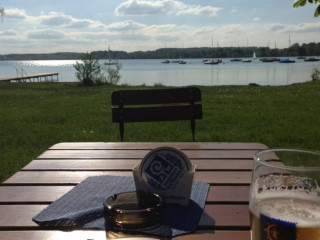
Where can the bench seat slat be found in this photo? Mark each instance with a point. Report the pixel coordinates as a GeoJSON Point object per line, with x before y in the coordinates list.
{"type": "Point", "coordinates": [156, 96]}
{"type": "Point", "coordinates": [151, 114]}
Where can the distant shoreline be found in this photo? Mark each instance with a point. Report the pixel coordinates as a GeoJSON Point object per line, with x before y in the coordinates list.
{"type": "Point", "coordinates": [305, 50]}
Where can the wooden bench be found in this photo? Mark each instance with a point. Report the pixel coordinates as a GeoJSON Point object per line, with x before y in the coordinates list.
{"type": "Point", "coordinates": [148, 105]}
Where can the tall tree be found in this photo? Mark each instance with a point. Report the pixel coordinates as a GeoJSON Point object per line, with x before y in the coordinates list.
{"type": "Point", "coordinates": [301, 3]}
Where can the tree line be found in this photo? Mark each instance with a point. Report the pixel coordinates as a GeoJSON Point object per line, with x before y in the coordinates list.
{"type": "Point", "coordinates": [310, 49]}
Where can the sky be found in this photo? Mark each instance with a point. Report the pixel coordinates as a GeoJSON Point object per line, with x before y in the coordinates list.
{"type": "Point", "coordinates": [48, 26]}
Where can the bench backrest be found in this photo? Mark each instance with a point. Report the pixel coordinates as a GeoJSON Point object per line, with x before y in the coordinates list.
{"type": "Point", "coordinates": [147, 105]}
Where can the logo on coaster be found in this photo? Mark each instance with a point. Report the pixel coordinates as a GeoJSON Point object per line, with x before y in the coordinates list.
{"type": "Point", "coordinates": [163, 168]}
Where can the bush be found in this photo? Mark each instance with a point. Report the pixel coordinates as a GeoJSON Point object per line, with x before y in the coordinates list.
{"type": "Point", "coordinates": [89, 71]}
{"type": "Point", "coordinates": [315, 74]}
{"type": "Point", "coordinates": [113, 74]}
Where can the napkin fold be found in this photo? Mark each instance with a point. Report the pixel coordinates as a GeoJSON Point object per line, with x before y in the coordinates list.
{"type": "Point", "coordinates": [82, 207]}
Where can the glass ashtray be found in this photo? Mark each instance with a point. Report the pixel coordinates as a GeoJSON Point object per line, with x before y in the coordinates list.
{"type": "Point", "coordinates": [136, 209]}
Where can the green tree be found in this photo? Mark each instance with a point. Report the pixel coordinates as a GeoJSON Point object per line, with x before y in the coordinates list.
{"type": "Point", "coordinates": [113, 74]}
{"type": "Point", "coordinates": [301, 3]}
{"type": "Point", "coordinates": [89, 71]}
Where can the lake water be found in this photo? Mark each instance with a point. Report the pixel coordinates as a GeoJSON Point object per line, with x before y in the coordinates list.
{"type": "Point", "coordinates": [150, 72]}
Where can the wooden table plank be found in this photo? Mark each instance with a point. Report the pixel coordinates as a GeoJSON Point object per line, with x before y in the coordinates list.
{"type": "Point", "coordinates": [225, 166]}
{"type": "Point", "coordinates": [53, 235]}
{"type": "Point", "coordinates": [48, 194]}
{"type": "Point", "coordinates": [215, 216]}
{"type": "Point", "coordinates": [19, 216]}
{"type": "Point", "coordinates": [152, 145]}
{"type": "Point", "coordinates": [228, 216]}
{"type": "Point", "coordinates": [57, 177]}
{"type": "Point", "coordinates": [101, 235]}
{"type": "Point", "coordinates": [232, 194]}
{"type": "Point", "coordinates": [216, 235]}
{"type": "Point", "coordinates": [124, 164]}
{"type": "Point", "coordinates": [75, 177]}
{"type": "Point", "coordinates": [32, 194]}
{"type": "Point", "coordinates": [198, 235]}
{"type": "Point", "coordinates": [139, 154]}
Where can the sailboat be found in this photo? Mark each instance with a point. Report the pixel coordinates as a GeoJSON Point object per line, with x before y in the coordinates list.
{"type": "Point", "coordinates": [110, 61]}
{"type": "Point", "coordinates": [181, 61]}
{"type": "Point", "coordinates": [212, 61]}
{"type": "Point", "coordinates": [246, 60]}
{"type": "Point", "coordinates": [250, 60]}
{"type": "Point", "coordinates": [166, 60]}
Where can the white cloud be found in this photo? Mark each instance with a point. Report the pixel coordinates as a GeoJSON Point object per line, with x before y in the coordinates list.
{"type": "Point", "coordinates": [80, 24]}
{"type": "Point", "coordinates": [57, 31]}
{"type": "Point", "coordinates": [307, 27]}
{"type": "Point", "coordinates": [46, 34]}
{"type": "Point", "coordinates": [256, 19]}
{"type": "Point", "coordinates": [198, 10]}
{"type": "Point", "coordinates": [15, 13]}
{"type": "Point", "coordinates": [8, 33]}
{"type": "Point", "coordinates": [55, 19]}
{"type": "Point", "coordinates": [145, 8]}
{"type": "Point", "coordinates": [128, 25]}
{"type": "Point", "coordinates": [277, 27]}
{"type": "Point", "coordinates": [295, 28]}
{"type": "Point", "coordinates": [148, 8]}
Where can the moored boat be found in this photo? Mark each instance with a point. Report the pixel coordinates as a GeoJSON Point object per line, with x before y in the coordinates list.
{"type": "Point", "coordinates": [235, 60]}
{"type": "Point", "coordinates": [311, 59]}
{"type": "Point", "coordinates": [269, 59]}
{"type": "Point", "coordinates": [212, 62]}
{"type": "Point", "coordinates": [286, 60]}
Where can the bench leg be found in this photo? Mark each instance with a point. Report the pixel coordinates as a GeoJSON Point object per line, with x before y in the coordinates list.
{"type": "Point", "coordinates": [121, 130]}
{"type": "Point", "coordinates": [193, 128]}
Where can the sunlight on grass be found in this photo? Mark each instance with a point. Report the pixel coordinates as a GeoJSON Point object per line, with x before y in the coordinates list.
{"type": "Point", "coordinates": [35, 116]}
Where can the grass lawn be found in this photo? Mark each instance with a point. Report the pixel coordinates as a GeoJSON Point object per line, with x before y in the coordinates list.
{"type": "Point", "coordinates": [35, 116]}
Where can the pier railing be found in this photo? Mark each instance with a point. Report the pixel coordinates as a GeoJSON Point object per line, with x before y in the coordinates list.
{"type": "Point", "coordinates": [42, 77]}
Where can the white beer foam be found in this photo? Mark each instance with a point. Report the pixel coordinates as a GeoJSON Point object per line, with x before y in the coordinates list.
{"type": "Point", "coordinates": [299, 204]}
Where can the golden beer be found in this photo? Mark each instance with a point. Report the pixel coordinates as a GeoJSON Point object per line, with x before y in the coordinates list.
{"type": "Point", "coordinates": [285, 195]}
{"type": "Point", "coordinates": [285, 215]}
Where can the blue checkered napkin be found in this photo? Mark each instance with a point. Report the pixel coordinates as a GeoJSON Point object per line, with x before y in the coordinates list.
{"type": "Point", "coordinates": [82, 207]}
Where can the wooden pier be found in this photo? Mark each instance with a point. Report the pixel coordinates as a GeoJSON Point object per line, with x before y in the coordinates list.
{"type": "Point", "coordinates": [42, 77]}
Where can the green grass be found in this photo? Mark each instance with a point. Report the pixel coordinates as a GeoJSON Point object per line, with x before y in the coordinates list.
{"type": "Point", "coordinates": [35, 116]}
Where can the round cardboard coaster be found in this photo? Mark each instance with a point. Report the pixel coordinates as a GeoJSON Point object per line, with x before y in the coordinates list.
{"type": "Point", "coordinates": [164, 167]}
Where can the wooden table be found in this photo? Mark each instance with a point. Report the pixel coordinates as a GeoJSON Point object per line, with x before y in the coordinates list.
{"type": "Point", "coordinates": [225, 166]}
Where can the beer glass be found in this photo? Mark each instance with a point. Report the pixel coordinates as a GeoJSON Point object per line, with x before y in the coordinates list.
{"type": "Point", "coordinates": [285, 195]}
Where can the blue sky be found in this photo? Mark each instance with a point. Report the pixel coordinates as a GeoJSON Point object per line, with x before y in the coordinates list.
{"type": "Point", "coordinates": [46, 26]}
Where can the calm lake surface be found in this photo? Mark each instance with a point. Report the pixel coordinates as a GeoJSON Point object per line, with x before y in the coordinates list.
{"type": "Point", "coordinates": [194, 72]}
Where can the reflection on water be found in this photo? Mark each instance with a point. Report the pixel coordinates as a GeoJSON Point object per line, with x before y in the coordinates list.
{"type": "Point", "coordinates": [48, 63]}
{"type": "Point", "coordinates": [150, 72]}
